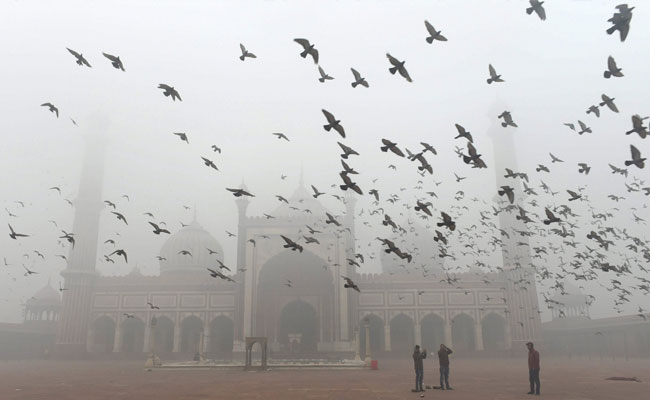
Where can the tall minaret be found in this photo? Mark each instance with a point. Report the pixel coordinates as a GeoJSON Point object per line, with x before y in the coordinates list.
{"type": "Point", "coordinates": [521, 289]}
{"type": "Point", "coordinates": [80, 274]}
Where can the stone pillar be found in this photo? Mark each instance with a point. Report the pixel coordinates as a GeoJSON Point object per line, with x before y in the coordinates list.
{"type": "Point", "coordinates": [147, 338]}
{"type": "Point", "coordinates": [387, 337]}
{"type": "Point", "coordinates": [478, 337]}
{"type": "Point", "coordinates": [357, 355]}
{"type": "Point", "coordinates": [177, 338]}
{"type": "Point", "coordinates": [206, 337]}
{"type": "Point", "coordinates": [418, 334]}
{"type": "Point", "coordinates": [117, 343]}
{"type": "Point", "coordinates": [448, 340]}
{"type": "Point", "coordinates": [368, 359]}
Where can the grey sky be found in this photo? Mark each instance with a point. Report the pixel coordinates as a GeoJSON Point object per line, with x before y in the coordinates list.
{"type": "Point", "coordinates": [553, 72]}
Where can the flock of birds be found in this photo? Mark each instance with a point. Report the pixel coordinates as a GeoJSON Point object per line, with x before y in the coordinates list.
{"type": "Point", "coordinates": [589, 257]}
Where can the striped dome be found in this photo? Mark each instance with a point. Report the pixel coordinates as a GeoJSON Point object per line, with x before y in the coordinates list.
{"type": "Point", "coordinates": [195, 240]}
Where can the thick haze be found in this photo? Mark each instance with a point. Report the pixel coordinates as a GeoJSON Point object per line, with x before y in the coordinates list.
{"type": "Point", "coordinates": [553, 72]}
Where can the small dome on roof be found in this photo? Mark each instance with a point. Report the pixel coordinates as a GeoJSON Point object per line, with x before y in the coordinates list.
{"type": "Point", "coordinates": [46, 296]}
{"type": "Point", "coordinates": [190, 249]}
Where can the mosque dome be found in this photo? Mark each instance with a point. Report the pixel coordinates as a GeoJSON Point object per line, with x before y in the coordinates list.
{"type": "Point", "coordinates": [190, 249]}
{"type": "Point", "coordinates": [301, 203]}
{"type": "Point", "coordinates": [45, 296]}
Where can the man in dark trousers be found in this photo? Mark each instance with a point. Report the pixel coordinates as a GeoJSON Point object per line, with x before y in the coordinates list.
{"type": "Point", "coordinates": [533, 369]}
{"type": "Point", "coordinates": [419, 367]}
{"type": "Point", "coordinates": [443, 358]}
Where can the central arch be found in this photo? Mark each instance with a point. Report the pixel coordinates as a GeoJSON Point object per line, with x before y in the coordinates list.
{"type": "Point", "coordinates": [191, 329]}
{"type": "Point", "coordinates": [299, 318]}
{"type": "Point", "coordinates": [494, 332]}
{"type": "Point", "coordinates": [376, 333]}
{"type": "Point", "coordinates": [103, 330]}
{"type": "Point", "coordinates": [402, 334]}
{"type": "Point", "coordinates": [163, 335]}
{"type": "Point", "coordinates": [462, 333]}
{"type": "Point", "coordinates": [432, 328]}
{"type": "Point", "coordinates": [286, 278]}
{"type": "Point", "coordinates": [133, 335]}
{"type": "Point", "coordinates": [221, 336]}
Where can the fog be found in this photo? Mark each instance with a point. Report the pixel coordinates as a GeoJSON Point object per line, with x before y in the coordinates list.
{"type": "Point", "coordinates": [553, 71]}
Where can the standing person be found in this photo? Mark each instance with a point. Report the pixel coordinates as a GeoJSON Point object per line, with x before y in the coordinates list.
{"type": "Point", "coordinates": [533, 369]}
{"type": "Point", "coordinates": [419, 367]}
{"type": "Point", "coordinates": [443, 358]}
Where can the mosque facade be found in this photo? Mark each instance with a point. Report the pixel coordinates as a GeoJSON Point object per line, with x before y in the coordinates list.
{"type": "Point", "coordinates": [296, 299]}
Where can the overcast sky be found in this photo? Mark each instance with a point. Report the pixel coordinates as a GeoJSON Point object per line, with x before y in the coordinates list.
{"type": "Point", "coordinates": [553, 72]}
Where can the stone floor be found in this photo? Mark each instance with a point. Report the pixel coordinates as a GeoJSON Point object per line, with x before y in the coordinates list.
{"type": "Point", "coordinates": [472, 379]}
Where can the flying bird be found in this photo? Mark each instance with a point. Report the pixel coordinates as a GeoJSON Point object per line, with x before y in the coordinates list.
{"type": "Point", "coordinates": [612, 69]}
{"type": "Point", "coordinates": [536, 5]}
{"type": "Point", "coordinates": [14, 235]}
{"type": "Point", "coordinates": [209, 163]}
{"type": "Point", "coordinates": [323, 76]}
{"type": "Point", "coordinates": [280, 135]}
{"type": "Point", "coordinates": [157, 230]}
{"type": "Point", "coordinates": [308, 48]}
{"type": "Point", "coordinates": [434, 34]}
{"type": "Point", "coordinates": [245, 53]}
{"type": "Point", "coordinates": [170, 91]}
{"type": "Point", "coordinates": [81, 61]}
{"type": "Point", "coordinates": [52, 108]}
{"type": "Point", "coordinates": [332, 122]}
{"type": "Point", "coordinates": [115, 61]}
{"type": "Point", "coordinates": [239, 192]}
{"type": "Point", "coordinates": [609, 102]}
{"type": "Point", "coordinates": [636, 158]}
{"type": "Point", "coordinates": [349, 284]}
{"type": "Point", "coordinates": [507, 119]}
{"type": "Point", "coordinates": [494, 77]}
{"type": "Point", "coordinates": [358, 80]}
{"type": "Point", "coordinates": [398, 66]}
{"type": "Point", "coordinates": [388, 145]}
{"type": "Point", "coordinates": [347, 151]}
{"type": "Point", "coordinates": [463, 133]}
{"type": "Point", "coordinates": [621, 21]}
{"type": "Point", "coordinates": [120, 252]}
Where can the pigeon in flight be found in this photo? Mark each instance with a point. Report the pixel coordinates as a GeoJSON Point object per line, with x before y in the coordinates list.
{"type": "Point", "coordinates": [120, 252]}
{"type": "Point", "coordinates": [447, 221]}
{"type": "Point", "coordinates": [239, 192]}
{"type": "Point", "coordinates": [182, 136]}
{"type": "Point", "coordinates": [14, 235]}
{"type": "Point", "coordinates": [350, 284]}
{"type": "Point", "coordinates": [507, 119]}
{"type": "Point", "coordinates": [398, 66]}
{"type": "Point", "coordinates": [348, 184]}
{"type": "Point", "coordinates": [493, 75]}
{"type": "Point", "coordinates": [120, 217]}
{"type": "Point", "coordinates": [509, 192]}
{"type": "Point", "coordinates": [637, 126]}
{"type": "Point", "coordinates": [209, 163]}
{"type": "Point", "coordinates": [621, 21]}
{"type": "Point", "coordinates": [584, 168]}
{"type": "Point", "coordinates": [388, 145]}
{"type": "Point", "coordinates": [463, 133]}
{"type": "Point", "coordinates": [636, 158]}
{"type": "Point", "coordinates": [291, 244]}
{"type": "Point", "coordinates": [609, 102]}
{"type": "Point", "coordinates": [157, 230]}
{"type": "Point", "coordinates": [245, 53]}
{"type": "Point", "coordinates": [52, 108]}
{"type": "Point", "coordinates": [612, 69]}
{"type": "Point", "coordinates": [308, 49]}
{"type": "Point", "coordinates": [583, 128]}
{"type": "Point", "coordinates": [593, 110]}
{"type": "Point", "coordinates": [536, 5]}
{"type": "Point", "coordinates": [281, 136]}
{"type": "Point", "coordinates": [347, 151]}
{"type": "Point", "coordinates": [435, 35]}
{"type": "Point", "coordinates": [115, 61]}
{"type": "Point", "coordinates": [170, 91]}
{"type": "Point", "coordinates": [323, 76]}
{"type": "Point", "coordinates": [316, 192]}
{"type": "Point", "coordinates": [554, 159]}
{"type": "Point", "coordinates": [81, 61]}
{"type": "Point", "coordinates": [550, 217]}
{"type": "Point", "coordinates": [358, 80]}
{"type": "Point", "coordinates": [332, 122]}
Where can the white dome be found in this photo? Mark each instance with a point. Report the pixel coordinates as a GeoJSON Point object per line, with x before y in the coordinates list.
{"type": "Point", "coordinates": [195, 240]}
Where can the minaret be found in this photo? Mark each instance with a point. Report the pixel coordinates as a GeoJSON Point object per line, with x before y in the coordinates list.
{"type": "Point", "coordinates": [519, 273]}
{"type": "Point", "coordinates": [243, 279]}
{"type": "Point", "coordinates": [80, 273]}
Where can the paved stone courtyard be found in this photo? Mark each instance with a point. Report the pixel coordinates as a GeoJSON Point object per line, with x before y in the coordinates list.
{"type": "Point", "coordinates": [501, 379]}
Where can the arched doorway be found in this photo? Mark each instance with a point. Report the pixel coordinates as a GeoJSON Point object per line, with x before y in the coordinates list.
{"type": "Point", "coordinates": [293, 276]}
{"type": "Point", "coordinates": [494, 332]}
{"type": "Point", "coordinates": [103, 329]}
{"type": "Point", "coordinates": [402, 334]}
{"type": "Point", "coordinates": [432, 328]}
{"type": "Point", "coordinates": [376, 326]}
{"type": "Point", "coordinates": [164, 335]}
{"type": "Point", "coordinates": [298, 330]}
{"type": "Point", "coordinates": [132, 335]}
{"type": "Point", "coordinates": [191, 329]}
{"type": "Point", "coordinates": [462, 333]}
{"type": "Point", "coordinates": [221, 336]}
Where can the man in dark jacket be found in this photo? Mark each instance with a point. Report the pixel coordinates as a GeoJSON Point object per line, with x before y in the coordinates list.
{"type": "Point", "coordinates": [533, 369]}
{"type": "Point", "coordinates": [443, 358]}
{"type": "Point", "coordinates": [419, 367]}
